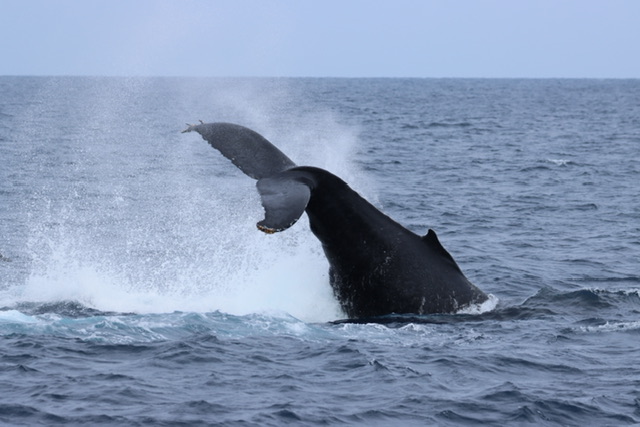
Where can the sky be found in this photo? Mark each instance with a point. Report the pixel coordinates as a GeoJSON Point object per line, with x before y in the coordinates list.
{"type": "Point", "coordinates": [322, 38]}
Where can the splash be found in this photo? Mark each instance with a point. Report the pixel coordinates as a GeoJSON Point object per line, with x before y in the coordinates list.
{"type": "Point", "coordinates": [489, 305]}
{"type": "Point", "coordinates": [128, 215]}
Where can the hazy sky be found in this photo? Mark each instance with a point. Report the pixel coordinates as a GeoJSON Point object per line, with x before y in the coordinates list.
{"type": "Point", "coordinates": [339, 38]}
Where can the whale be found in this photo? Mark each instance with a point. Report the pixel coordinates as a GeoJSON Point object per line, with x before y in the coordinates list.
{"type": "Point", "coordinates": [377, 267]}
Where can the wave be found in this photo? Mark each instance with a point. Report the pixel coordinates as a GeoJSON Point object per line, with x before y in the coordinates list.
{"type": "Point", "coordinates": [560, 162]}
{"type": "Point", "coordinates": [72, 320]}
{"type": "Point", "coordinates": [585, 297]}
{"type": "Point", "coordinates": [611, 326]}
{"type": "Point", "coordinates": [448, 124]}
{"type": "Point", "coordinates": [546, 302]}
{"type": "Point", "coordinates": [546, 305]}
{"type": "Point", "coordinates": [138, 330]}
{"type": "Point", "coordinates": [433, 125]}
{"type": "Point", "coordinates": [245, 277]}
{"type": "Point", "coordinates": [521, 406]}
{"type": "Point", "coordinates": [611, 279]}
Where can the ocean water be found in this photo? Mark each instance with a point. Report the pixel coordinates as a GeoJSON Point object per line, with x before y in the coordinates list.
{"type": "Point", "coordinates": [135, 288]}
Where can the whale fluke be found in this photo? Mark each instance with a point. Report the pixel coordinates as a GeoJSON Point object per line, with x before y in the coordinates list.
{"type": "Point", "coordinates": [284, 197]}
{"type": "Point", "coordinates": [247, 149]}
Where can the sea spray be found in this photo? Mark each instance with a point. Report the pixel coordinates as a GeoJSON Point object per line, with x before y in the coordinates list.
{"type": "Point", "coordinates": [132, 217]}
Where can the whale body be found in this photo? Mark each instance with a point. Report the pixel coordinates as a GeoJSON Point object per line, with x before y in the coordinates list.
{"type": "Point", "coordinates": [377, 266]}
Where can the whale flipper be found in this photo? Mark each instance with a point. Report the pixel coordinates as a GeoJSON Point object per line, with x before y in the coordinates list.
{"type": "Point", "coordinates": [284, 199]}
{"type": "Point", "coordinates": [247, 149]}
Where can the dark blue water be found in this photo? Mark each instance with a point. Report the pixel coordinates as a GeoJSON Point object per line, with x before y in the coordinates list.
{"type": "Point", "coordinates": [136, 290]}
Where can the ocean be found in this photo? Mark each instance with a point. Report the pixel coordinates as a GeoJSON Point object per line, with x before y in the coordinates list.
{"type": "Point", "coordinates": [135, 288]}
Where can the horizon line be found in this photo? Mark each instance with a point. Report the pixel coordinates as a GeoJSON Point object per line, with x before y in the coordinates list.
{"type": "Point", "coordinates": [317, 77]}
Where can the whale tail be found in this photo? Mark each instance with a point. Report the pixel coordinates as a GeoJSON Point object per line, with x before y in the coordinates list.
{"type": "Point", "coordinates": [377, 266]}
{"type": "Point", "coordinates": [284, 196]}
{"type": "Point", "coordinates": [247, 149]}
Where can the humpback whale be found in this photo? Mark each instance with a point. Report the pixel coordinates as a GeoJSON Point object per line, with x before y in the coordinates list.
{"type": "Point", "coordinates": [376, 266]}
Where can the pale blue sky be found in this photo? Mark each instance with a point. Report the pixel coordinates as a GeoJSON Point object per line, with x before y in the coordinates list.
{"type": "Point", "coordinates": [338, 38]}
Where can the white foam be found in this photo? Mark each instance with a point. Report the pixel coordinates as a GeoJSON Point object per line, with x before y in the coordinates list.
{"type": "Point", "coordinates": [293, 280]}
{"type": "Point", "coordinates": [14, 316]}
{"type": "Point", "coordinates": [612, 327]}
{"type": "Point", "coordinates": [489, 305]}
{"type": "Point", "coordinates": [559, 162]}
